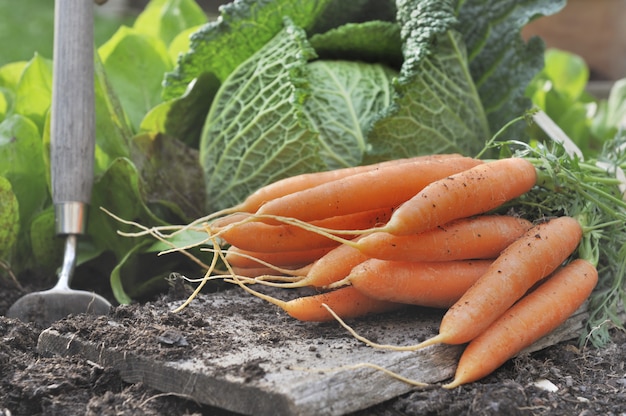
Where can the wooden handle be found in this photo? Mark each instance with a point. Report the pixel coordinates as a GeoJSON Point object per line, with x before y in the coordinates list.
{"type": "Point", "coordinates": [72, 126]}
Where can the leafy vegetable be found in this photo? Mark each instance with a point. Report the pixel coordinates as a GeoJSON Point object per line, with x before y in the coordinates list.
{"type": "Point", "coordinates": [135, 63]}
{"type": "Point", "coordinates": [373, 41]}
{"type": "Point", "coordinates": [243, 28]}
{"type": "Point", "coordinates": [500, 62]}
{"type": "Point", "coordinates": [165, 20]}
{"type": "Point", "coordinates": [560, 91]}
{"type": "Point", "coordinates": [344, 100]}
{"type": "Point", "coordinates": [256, 131]}
{"type": "Point", "coordinates": [438, 109]}
{"type": "Point", "coordinates": [270, 89]}
{"type": "Point", "coordinates": [33, 93]}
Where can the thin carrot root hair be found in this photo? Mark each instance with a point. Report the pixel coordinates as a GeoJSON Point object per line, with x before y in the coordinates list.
{"type": "Point", "coordinates": [207, 277]}
{"type": "Point", "coordinates": [340, 283]}
{"type": "Point", "coordinates": [243, 283]}
{"type": "Point", "coordinates": [153, 231]}
{"type": "Point", "coordinates": [294, 273]}
{"type": "Point", "coordinates": [358, 366]}
{"type": "Point", "coordinates": [331, 233]}
{"type": "Point", "coordinates": [367, 341]}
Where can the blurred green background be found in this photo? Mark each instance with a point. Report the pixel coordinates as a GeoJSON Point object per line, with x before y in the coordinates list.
{"type": "Point", "coordinates": [27, 26]}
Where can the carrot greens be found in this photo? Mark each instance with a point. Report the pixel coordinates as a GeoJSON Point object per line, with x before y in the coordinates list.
{"type": "Point", "coordinates": [591, 191]}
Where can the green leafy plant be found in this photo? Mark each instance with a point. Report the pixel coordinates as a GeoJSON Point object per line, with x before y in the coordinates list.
{"type": "Point", "coordinates": [560, 90]}
{"type": "Point", "coordinates": [188, 125]}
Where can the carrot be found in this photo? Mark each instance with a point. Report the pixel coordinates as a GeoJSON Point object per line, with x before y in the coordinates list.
{"type": "Point", "coordinates": [526, 261]}
{"type": "Point", "coordinates": [331, 267]}
{"type": "Point", "coordinates": [387, 186]}
{"type": "Point", "coordinates": [233, 218]}
{"type": "Point", "coordinates": [262, 237]}
{"type": "Point", "coordinates": [481, 237]}
{"type": "Point", "coordinates": [470, 192]}
{"type": "Point", "coordinates": [237, 257]}
{"type": "Point", "coordinates": [346, 302]}
{"type": "Point", "coordinates": [270, 273]}
{"type": "Point", "coordinates": [304, 181]}
{"type": "Point", "coordinates": [430, 284]}
{"type": "Point", "coordinates": [537, 314]}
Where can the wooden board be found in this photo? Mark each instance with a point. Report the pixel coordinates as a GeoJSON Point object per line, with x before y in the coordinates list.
{"type": "Point", "coordinates": [255, 374]}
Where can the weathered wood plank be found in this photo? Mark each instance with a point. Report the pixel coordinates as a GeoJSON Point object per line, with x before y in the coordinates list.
{"type": "Point", "coordinates": [287, 382]}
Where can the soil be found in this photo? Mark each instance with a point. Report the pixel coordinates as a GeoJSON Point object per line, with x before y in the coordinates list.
{"type": "Point", "coordinates": [582, 381]}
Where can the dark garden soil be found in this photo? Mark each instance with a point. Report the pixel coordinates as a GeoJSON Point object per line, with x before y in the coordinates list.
{"type": "Point", "coordinates": [586, 381]}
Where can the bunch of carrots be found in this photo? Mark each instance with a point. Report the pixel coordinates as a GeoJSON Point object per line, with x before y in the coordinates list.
{"type": "Point", "coordinates": [434, 231]}
{"type": "Point", "coordinates": [414, 231]}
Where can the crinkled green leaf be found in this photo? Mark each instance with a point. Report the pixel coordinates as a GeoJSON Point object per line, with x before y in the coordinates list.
{"type": "Point", "coordinates": [171, 174]}
{"type": "Point", "coordinates": [165, 19]}
{"type": "Point", "coordinates": [135, 64]}
{"type": "Point", "coordinates": [345, 98]}
{"type": "Point", "coordinates": [500, 62]}
{"type": "Point", "coordinates": [9, 218]}
{"type": "Point", "coordinates": [422, 22]}
{"type": "Point", "coordinates": [373, 41]}
{"type": "Point", "coordinates": [181, 43]}
{"type": "Point", "coordinates": [340, 12]}
{"type": "Point", "coordinates": [33, 95]}
{"type": "Point", "coordinates": [437, 108]}
{"type": "Point", "coordinates": [243, 28]}
{"type": "Point", "coordinates": [255, 132]}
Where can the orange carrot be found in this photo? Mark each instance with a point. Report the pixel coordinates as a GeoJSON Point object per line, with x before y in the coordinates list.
{"type": "Point", "coordinates": [331, 267]}
{"type": "Point", "coordinates": [526, 261]}
{"type": "Point", "coordinates": [481, 237]}
{"type": "Point", "coordinates": [346, 302]}
{"type": "Point", "coordinates": [271, 273]}
{"type": "Point", "coordinates": [535, 315]}
{"type": "Point", "coordinates": [235, 217]}
{"type": "Point", "coordinates": [431, 284]}
{"type": "Point", "coordinates": [304, 181]}
{"type": "Point", "coordinates": [469, 192]}
{"type": "Point", "coordinates": [364, 191]}
{"type": "Point", "coordinates": [237, 257]}
{"type": "Point", "coordinates": [262, 237]}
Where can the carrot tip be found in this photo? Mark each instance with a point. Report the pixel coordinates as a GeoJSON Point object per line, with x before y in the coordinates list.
{"type": "Point", "coordinates": [453, 384]}
{"type": "Point", "coordinates": [437, 339]}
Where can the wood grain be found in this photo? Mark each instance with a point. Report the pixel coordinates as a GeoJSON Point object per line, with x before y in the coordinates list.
{"type": "Point", "coordinates": [292, 381]}
{"type": "Point", "coordinates": [72, 127]}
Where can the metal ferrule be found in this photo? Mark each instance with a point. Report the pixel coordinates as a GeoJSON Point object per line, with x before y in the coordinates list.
{"type": "Point", "coordinates": [70, 218]}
